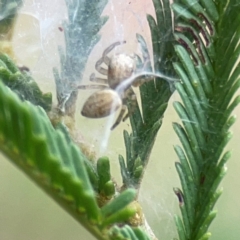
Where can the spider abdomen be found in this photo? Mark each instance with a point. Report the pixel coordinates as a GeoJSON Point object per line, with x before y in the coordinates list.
{"type": "Point", "coordinates": [101, 104]}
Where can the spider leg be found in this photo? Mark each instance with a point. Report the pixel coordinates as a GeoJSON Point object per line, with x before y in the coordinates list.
{"type": "Point", "coordinates": [93, 78]}
{"type": "Point", "coordinates": [132, 98]}
{"type": "Point", "coordinates": [100, 69]}
{"type": "Point", "coordinates": [106, 60]}
{"type": "Point", "coordinates": [92, 87]}
{"type": "Point", "coordinates": [120, 116]}
{"type": "Point", "coordinates": [111, 47]}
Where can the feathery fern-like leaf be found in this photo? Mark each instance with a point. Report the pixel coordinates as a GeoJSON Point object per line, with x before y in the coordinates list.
{"type": "Point", "coordinates": [154, 96]}
{"type": "Point", "coordinates": [23, 84]}
{"type": "Point", "coordinates": [56, 164]}
{"type": "Point", "coordinates": [127, 233]}
{"type": "Point", "coordinates": [81, 35]}
{"type": "Point", "coordinates": [208, 66]}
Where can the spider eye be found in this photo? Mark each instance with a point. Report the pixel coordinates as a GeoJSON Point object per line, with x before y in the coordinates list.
{"type": "Point", "coordinates": [101, 104]}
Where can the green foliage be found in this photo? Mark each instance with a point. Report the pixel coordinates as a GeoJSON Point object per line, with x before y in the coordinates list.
{"type": "Point", "coordinates": [154, 96]}
{"type": "Point", "coordinates": [106, 185]}
{"type": "Point", "coordinates": [23, 84]}
{"type": "Point", "coordinates": [209, 77]}
{"type": "Point", "coordinates": [203, 51]}
{"type": "Point", "coordinates": [49, 156]}
{"type": "Point", "coordinates": [127, 233]}
{"type": "Point", "coordinates": [81, 35]}
{"type": "Point", "coordinates": [116, 211]}
{"type": "Point", "coordinates": [56, 165]}
{"type": "Point", "coordinates": [49, 160]}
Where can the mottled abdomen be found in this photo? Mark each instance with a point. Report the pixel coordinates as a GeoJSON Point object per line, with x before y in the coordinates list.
{"type": "Point", "coordinates": [101, 104]}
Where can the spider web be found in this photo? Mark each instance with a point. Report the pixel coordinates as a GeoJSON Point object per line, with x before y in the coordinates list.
{"type": "Point", "coordinates": [158, 202]}
{"type": "Point", "coordinates": [38, 33]}
{"type": "Point", "coordinates": [44, 33]}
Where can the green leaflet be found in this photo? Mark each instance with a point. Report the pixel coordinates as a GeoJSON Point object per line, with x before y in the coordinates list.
{"type": "Point", "coordinates": [51, 159]}
{"type": "Point", "coordinates": [180, 228]}
{"type": "Point", "coordinates": [103, 169]}
{"type": "Point", "coordinates": [119, 203]}
{"type": "Point", "coordinates": [117, 210]}
{"type": "Point", "coordinates": [154, 96]}
{"type": "Point", "coordinates": [127, 233]}
{"type": "Point", "coordinates": [23, 84]}
{"type": "Point", "coordinates": [105, 184]}
{"type": "Point", "coordinates": [41, 148]}
{"type": "Point", "coordinates": [209, 82]}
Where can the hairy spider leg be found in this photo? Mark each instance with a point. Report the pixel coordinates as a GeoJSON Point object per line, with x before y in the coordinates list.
{"type": "Point", "coordinates": [92, 87]}
{"type": "Point", "coordinates": [100, 69]}
{"type": "Point", "coordinates": [106, 59]}
{"type": "Point", "coordinates": [120, 116]}
{"type": "Point", "coordinates": [111, 47]}
{"type": "Point", "coordinates": [130, 97]}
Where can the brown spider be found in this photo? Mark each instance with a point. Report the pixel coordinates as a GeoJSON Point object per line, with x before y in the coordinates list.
{"type": "Point", "coordinates": [116, 89]}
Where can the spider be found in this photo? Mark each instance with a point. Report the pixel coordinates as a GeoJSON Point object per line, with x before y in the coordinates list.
{"type": "Point", "coordinates": [115, 90]}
